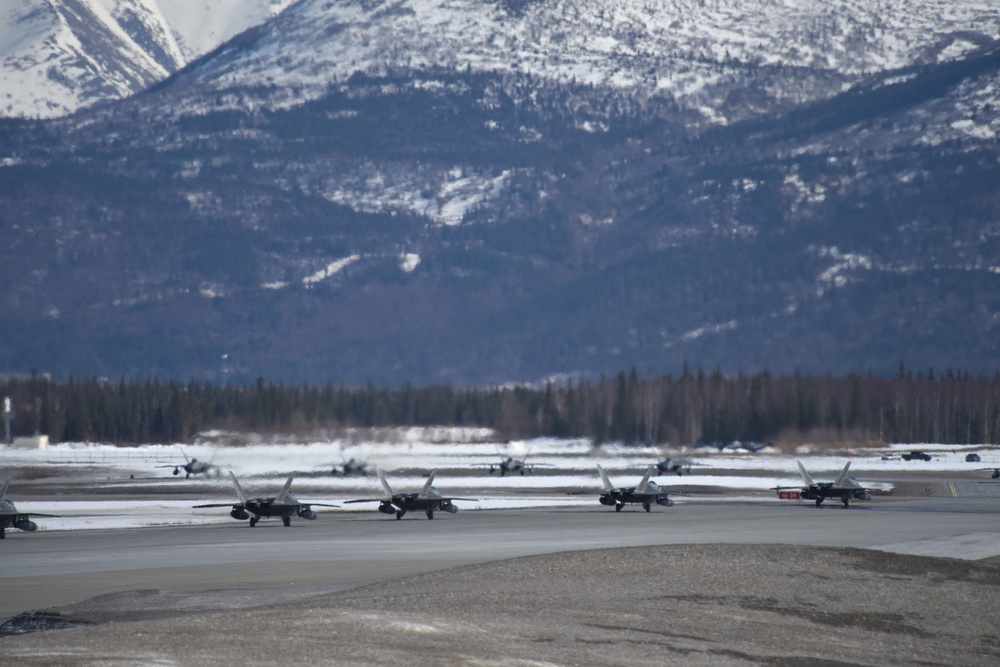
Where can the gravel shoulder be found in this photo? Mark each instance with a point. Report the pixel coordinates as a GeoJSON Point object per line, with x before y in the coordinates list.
{"type": "Point", "coordinates": [677, 605]}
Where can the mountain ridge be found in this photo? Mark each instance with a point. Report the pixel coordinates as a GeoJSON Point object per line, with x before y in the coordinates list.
{"type": "Point", "coordinates": [475, 225]}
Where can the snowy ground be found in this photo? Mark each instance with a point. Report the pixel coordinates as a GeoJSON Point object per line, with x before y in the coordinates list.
{"type": "Point", "coordinates": [564, 473]}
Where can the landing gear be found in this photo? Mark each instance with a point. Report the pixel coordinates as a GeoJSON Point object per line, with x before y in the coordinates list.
{"type": "Point", "coordinates": [286, 521]}
{"type": "Point", "coordinates": [819, 501]}
{"type": "Point", "coordinates": [847, 503]}
{"type": "Point", "coordinates": [647, 507]}
{"type": "Point", "coordinates": [618, 507]}
{"type": "Point", "coordinates": [253, 521]}
{"type": "Point", "coordinates": [430, 514]}
{"type": "Point", "coordinates": [399, 514]}
{"type": "Point", "coordinates": [3, 533]}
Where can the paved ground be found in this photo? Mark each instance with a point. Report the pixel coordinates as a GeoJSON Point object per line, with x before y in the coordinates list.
{"type": "Point", "coordinates": [709, 582]}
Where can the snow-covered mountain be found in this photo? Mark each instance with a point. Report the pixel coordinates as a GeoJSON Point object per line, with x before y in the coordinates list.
{"type": "Point", "coordinates": [694, 51]}
{"type": "Point", "coordinates": [59, 55]}
{"type": "Point", "coordinates": [471, 191]}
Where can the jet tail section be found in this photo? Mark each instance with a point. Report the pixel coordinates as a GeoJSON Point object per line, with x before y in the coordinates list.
{"type": "Point", "coordinates": [280, 498]}
{"type": "Point", "coordinates": [385, 484]}
{"type": "Point", "coordinates": [843, 475]}
{"type": "Point", "coordinates": [244, 498]}
{"type": "Point", "coordinates": [3, 489]}
{"type": "Point", "coordinates": [608, 486]}
{"type": "Point", "coordinates": [641, 487]}
{"type": "Point", "coordinates": [806, 479]}
{"type": "Point", "coordinates": [429, 482]}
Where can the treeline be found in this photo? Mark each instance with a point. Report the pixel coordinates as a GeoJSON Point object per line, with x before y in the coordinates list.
{"type": "Point", "coordinates": [684, 409]}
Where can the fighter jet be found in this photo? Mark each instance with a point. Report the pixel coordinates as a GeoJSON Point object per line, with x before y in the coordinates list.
{"type": "Point", "coordinates": [285, 504]}
{"type": "Point", "coordinates": [510, 465]}
{"type": "Point", "coordinates": [669, 465]}
{"type": "Point", "coordinates": [193, 467]}
{"type": "Point", "coordinates": [351, 467]}
{"type": "Point", "coordinates": [843, 487]}
{"type": "Point", "coordinates": [645, 493]}
{"type": "Point", "coordinates": [429, 499]}
{"type": "Point", "coordinates": [11, 518]}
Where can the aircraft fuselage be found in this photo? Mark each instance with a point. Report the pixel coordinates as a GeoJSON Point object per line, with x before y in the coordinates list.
{"type": "Point", "coordinates": [618, 498]}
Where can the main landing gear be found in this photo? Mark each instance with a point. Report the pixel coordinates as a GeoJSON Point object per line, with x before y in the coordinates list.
{"type": "Point", "coordinates": [647, 507]}
{"type": "Point", "coordinates": [399, 514]}
{"type": "Point", "coordinates": [430, 514]}
{"type": "Point", "coordinates": [619, 506]}
{"type": "Point", "coordinates": [287, 521]}
{"type": "Point", "coordinates": [253, 521]}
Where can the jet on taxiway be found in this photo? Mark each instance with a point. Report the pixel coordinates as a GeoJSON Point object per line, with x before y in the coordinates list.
{"type": "Point", "coordinates": [10, 517]}
{"type": "Point", "coordinates": [428, 499]}
{"type": "Point", "coordinates": [285, 505]}
{"type": "Point", "coordinates": [845, 488]}
{"type": "Point", "coordinates": [510, 465]}
{"type": "Point", "coordinates": [193, 467]}
{"type": "Point", "coordinates": [645, 493]}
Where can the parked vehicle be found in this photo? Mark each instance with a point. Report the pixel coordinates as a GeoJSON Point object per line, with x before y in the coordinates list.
{"type": "Point", "coordinates": [917, 455]}
{"type": "Point", "coordinates": [972, 458]}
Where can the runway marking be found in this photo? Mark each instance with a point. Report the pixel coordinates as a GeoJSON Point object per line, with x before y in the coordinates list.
{"type": "Point", "coordinates": [954, 493]}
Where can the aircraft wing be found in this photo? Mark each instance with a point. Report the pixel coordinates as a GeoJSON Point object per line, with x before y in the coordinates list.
{"type": "Point", "coordinates": [19, 513]}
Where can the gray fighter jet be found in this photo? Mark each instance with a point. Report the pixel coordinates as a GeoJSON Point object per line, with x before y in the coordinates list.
{"type": "Point", "coordinates": [351, 467]}
{"type": "Point", "coordinates": [428, 499]}
{"type": "Point", "coordinates": [10, 517]}
{"type": "Point", "coordinates": [193, 467]}
{"type": "Point", "coordinates": [644, 493]}
{"type": "Point", "coordinates": [510, 465]}
{"type": "Point", "coordinates": [676, 466]}
{"type": "Point", "coordinates": [285, 505]}
{"type": "Point", "coordinates": [845, 488]}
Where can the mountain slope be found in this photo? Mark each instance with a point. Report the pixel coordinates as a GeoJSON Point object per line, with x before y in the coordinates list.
{"type": "Point", "coordinates": [441, 215]}
{"type": "Point", "coordinates": [59, 55]}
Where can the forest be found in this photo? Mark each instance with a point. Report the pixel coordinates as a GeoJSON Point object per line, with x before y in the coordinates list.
{"type": "Point", "coordinates": [684, 409]}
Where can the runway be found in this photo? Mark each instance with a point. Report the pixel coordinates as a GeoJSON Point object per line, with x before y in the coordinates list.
{"type": "Point", "coordinates": [342, 550]}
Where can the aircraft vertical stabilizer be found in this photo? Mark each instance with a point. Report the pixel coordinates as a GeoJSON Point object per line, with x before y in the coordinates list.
{"type": "Point", "coordinates": [244, 498]}
{"type": "Point", "coordinates": [843, 475]}
{"type": "Point", "coordinates": [806, 479]}
{"type": "Point", "coordinates": [429, 482]}
{"type": "Point", "coordinates": [280, 498]}
{"type": "Point", "coordinates": [608, 486]}
{"type": "Point", "coordinates": [3, 489]}
{"type": "Point", "coordinates": [385, 484]}
{"type": "Point", "coordinates": [641, 488]}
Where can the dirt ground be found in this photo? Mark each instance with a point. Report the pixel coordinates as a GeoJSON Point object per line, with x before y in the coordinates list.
{"type": "Point", "coordinates": [677, 605]}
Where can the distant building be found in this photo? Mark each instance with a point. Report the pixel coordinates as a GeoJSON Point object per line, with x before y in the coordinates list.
{"type": "Point", "coordinates": [31, 442]}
